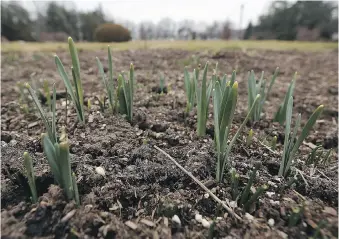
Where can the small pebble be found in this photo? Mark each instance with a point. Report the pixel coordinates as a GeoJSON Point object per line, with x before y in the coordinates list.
{"type": "Point", "coordinates": [206, 195]}
{"type": "Point", "coordinates": [233, 204]}
{"type": "Point", "coordinates": [100, 171]}
{"type": "Point", "coordinates": [270, 194]}
{"type": "Point", "coordinates": [198, 217]}
{"type": "Point", "coordinates": [271, 222]}
{"type": "Point", "coordinates": [13, 142]}
{"type": "Point", "coordinates": [176, 219]}
{"type": "Point", "coordinates": [274, 203]}
{"type": "Point", "coordinates": [249, 217]}
{"type": "Point", "coordinates": [3, 144]}
{"type": "Point", "coordinates": [205, 223]}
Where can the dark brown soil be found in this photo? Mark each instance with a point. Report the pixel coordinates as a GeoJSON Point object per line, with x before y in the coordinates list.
{"type": "Point", "coordinates": [142, 190]}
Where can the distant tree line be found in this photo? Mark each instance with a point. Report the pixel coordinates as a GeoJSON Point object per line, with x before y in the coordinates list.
{"type": "Point", "coordinates": [301, 20]}
{"type": "Point", "coordinates": [17, 24]}
{"type": "Point", "coordinates": [55, 22]}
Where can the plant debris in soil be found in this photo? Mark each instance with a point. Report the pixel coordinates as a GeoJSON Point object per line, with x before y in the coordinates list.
{"type": "Point", "coordinates": [143, 194]}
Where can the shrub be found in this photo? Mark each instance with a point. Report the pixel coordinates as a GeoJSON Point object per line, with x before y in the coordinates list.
{"type": "Point", "coordinates": [110, 32]}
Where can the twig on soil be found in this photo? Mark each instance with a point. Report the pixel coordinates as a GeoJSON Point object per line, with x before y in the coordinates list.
{"type": "Point", "coordinates": [200, 184]}
{"type": "Point", "coordinates": [301, 174]}
{"type": "Point", "coordinates": [268, 148]}
{"type": "Point", "coordinates": [325, 176]}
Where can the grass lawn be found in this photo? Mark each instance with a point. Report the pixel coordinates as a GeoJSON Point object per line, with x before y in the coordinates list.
{"type": "Point", "coordinates": [185, 45]}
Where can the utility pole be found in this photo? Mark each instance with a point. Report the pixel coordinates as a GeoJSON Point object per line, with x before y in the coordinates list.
{"type": "Point", "coordinates": [38, 21]}
{"type": "Point", "coordinates": [240, 20]}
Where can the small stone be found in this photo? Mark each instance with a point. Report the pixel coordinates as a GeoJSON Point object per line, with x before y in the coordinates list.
{"type": "Point", "coordinates": [68, 216]}
{"type": "Point", "coordinates": [249, 217]}
{"type": "Point", "coordinates": [270, 194]}
{"type": "Point", "coordinates": [198, 217]}
{"type": "Point", "coordinates": [90, 118]}
{"type": "Point", "coordinates": [233, 204]}
{"type": "Point", "coordinates": [13, 142]}
{"type": "Point", "coordinates": [31, 125]}
{"type": "Point", "coordinates": [3, 144]}
{"type": "Point", "coordinates": [272, 184]}
{"type": "Point", "coordinates": [274, 203]}
{"type": "Point", "coordinates": [100, 171]}
{"type": "Point", "coordinates": [104, 214]}
{"type": "Point", "coordinates": [330, 211]}
{"type": "Point", "coordinates": [282, 234]}
{"type": "Point", "coordinates": [205, 223]}
{"type": "Point", "coordinates": [131, 225]}
{"type": "Point", "coordinates": [271, 222]}
{"type": "Point", "coordinates": [131, 168]}
{"type": "Point", "coordinates": [206, 195]}
{"type": "Point", "coordinates": [176, 219]}
{"type": "Point", "coordinates": [147, 222]}
{"type": "Point", "coordinates": [219, 218]}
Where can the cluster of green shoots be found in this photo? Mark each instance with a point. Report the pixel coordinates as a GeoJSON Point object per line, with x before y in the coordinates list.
{"type": "Point", "coordinates": [225, 96]}
{"type": "Point", "coordinates": [280, 115]}
{"type": "Point", "coordinates": [292, 142]}
{"type": "Point", "coordinates": [120, 97]}
{"type": "Point", "coordinates": [259, 88]}
{"type": "Point", "coordinates": [77, 94]}
{"type": "Point", "coordinates": [56, 151]}
{"type": "Point", "coordinates": [244, 198]}
{"type": "Point", "coordinates": [318, 156]}
{"type": "Point", "coordinates": [224, 102]}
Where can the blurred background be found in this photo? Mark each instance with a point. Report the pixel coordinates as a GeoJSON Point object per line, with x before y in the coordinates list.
{"type": "Point", "coordinates": [118, 21]}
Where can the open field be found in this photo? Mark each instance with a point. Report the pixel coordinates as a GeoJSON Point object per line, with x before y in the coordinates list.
{"type": "Point", "coordinates": [185, 45]}
{"type": "Point", "coordinates": [142, 190]}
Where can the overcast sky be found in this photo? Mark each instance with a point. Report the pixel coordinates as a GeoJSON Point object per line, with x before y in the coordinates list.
{"type": "Point", "coordinates": [197, 10]}
{"type": "Point", "coordinates": [153, 10]}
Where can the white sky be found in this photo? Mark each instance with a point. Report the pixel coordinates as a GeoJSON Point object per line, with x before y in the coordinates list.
{"type": "Point", "coordinates": [136, 11]}
{"type": "Point", "coordinates": [197, 10]}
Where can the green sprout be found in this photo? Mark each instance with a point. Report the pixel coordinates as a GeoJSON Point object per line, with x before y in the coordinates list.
{"type": "Point", "coordinates": [89, 104]}
{"type": "Point", "coordinates": [292, 143]}
{"type": "Point", "coordinates": [203, 94]}
{"type": "Point", "coordinates": [47, 93]}
{"type": "Point", "coordinates": [244, 198]}
{"type": "Point", "coordinates": [77, 95]}
{"type": "Point", "coordinates": [317, 158]}
{"type": "Point", "coordinates": [108, 83]}
{"type": "Point", "coordinates": [249, 138]}
{"type": "Point", "coordinates": [162, 84]}
{"type": "Point", "coordinates": [50, 126]}
{"type": "Point", "coordinates": [260, 88]}
{"type": "Point", "coordinates": [58, 158]}
{"type": "Point", "coordinates": [235, 183]}
{"type": "Point", "coordinates": [30, 176]}
{"type": "Point", "coordinates": [280, 115]}
{"type": "Point", "coordinates": [125, 94]}
{"type": "Point", "coordinates": [295, 216]}
{"type": "Point", "coordinates": [274, 143]}
{"type": "Point", "coordinates": [224, 103]}
{"type": "Point", "coordinates": [102, 103]}
{"type": "Point", "coordinates": [23, 100]}
{"type": "Point", "coordinates": [190, 85]}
